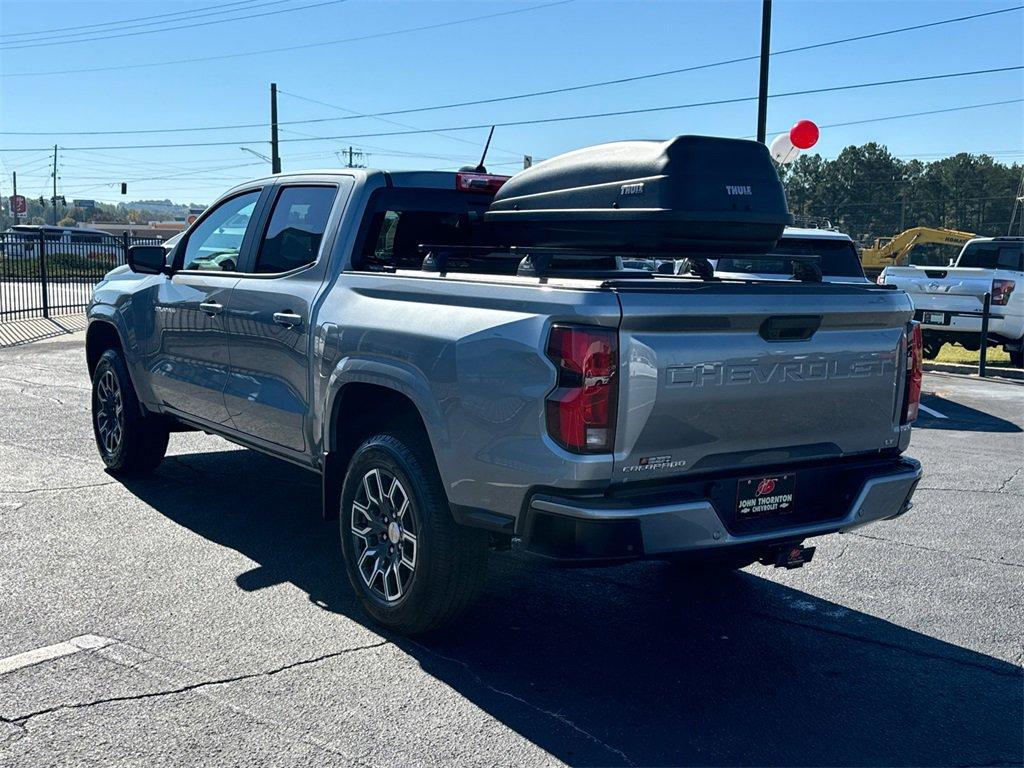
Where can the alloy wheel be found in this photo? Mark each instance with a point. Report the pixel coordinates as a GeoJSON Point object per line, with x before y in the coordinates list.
{"type": "Point", "coordinates": [384, 534]}
{"type": "Point", "coordinates": [110, 412]}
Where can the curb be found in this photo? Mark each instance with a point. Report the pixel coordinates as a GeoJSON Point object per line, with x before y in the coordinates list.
{"type": "Point", "coordinates": [972, 370]}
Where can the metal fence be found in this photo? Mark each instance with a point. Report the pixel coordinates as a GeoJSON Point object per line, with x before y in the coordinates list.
{"type": "Point", "coordinates": [52, 272]}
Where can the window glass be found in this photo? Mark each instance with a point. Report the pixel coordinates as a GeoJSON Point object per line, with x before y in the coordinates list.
{"type": "Point", "coordinates": [992, 255]}
{"type": "Point", "coordinates": [836, 258]}
{"type": "Point", "coordinates": [296, 228]}
{"type": "Point", "coordinates": [215, 243]}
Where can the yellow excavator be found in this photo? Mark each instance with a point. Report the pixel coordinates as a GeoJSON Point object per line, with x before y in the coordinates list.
{"type": "Point", "coordinates": [895, 251]}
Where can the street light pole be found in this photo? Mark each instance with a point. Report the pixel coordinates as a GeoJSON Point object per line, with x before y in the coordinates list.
{"type": "Point", "coordinates": [762, 93]}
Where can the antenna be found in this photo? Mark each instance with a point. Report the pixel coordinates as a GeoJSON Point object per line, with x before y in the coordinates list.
{"type": "Point", "coordinates": [480, 166]}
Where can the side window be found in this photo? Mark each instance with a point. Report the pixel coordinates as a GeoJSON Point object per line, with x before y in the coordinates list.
{"type": "Point", "coordinates": [296, 228]}
{"type": "Point", "coordinates": [1009, 257]}
{"type": "Point", "coordinates": [215, 243]}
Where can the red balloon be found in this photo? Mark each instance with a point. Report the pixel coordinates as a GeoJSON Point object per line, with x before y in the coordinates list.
{"type": "Point", "coordinates": [804, 134]}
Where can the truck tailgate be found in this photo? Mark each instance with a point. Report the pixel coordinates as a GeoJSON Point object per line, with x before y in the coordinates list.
{"type": "Point", "coordinates": [721, 375]}
{"type": "Point", "coordinates": [942, 287]}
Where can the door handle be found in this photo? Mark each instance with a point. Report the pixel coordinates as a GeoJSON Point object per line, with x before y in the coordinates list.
{"type": "Point", "coordinates": [211, 308]}
{"type": "Point", "coordinates": [287, 319]}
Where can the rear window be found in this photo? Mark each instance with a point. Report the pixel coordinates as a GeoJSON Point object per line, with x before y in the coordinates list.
{"type": "Point", "coordinates": [836, 258]}
{"type": "Point", "coordinates": [992, 255]}
{"type": "Point", "coordinates": [405, 219]}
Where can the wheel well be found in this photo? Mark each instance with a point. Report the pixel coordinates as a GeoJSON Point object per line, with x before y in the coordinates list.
{"type": "Point", "coordinates": [100, 337]}
{"type": "Point", "coordinates": [361, 410]}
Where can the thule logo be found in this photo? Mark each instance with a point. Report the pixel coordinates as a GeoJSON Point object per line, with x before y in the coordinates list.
{"type": "Point", "coordinates": [632, 189]}
{"type": "Point", "coordinates": [719, 374]}
{"type": "Point", "coordinates": [733, 189]}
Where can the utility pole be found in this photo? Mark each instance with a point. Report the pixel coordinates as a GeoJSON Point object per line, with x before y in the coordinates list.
{"type": "Point", "coordinates": [17, 217]}
{"type": "Point", "coordinates": [762, 93]}
{"type": "Point", "coordinates": [54, 185]}
{"type": "Point", "coordinates": [275, 156]}
{"type": "Point", "coordinates": [350, 163]}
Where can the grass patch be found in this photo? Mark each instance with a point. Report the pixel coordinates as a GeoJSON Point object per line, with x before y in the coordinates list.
{"type": "Point", "coordinates": [954, 353]}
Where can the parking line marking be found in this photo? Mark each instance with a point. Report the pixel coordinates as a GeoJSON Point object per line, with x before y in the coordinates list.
{"type": "Point", "coordinates": [55, 651]}
{"type": "Point", "coordinates": [932, 411]}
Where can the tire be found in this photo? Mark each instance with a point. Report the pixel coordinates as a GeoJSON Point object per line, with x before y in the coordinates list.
{"type": "Point", "coordinates": [411, 566]}
{"type": "Point", "coordinates": [1017, 356]}
{"type": "Point", "coordinates": [129, 442]}
{"type": "Point", "coordinates": [931, 349]}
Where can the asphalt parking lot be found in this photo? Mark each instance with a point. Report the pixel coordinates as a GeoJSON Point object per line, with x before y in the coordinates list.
{"type": "Point", "coordinates": [224, 633]}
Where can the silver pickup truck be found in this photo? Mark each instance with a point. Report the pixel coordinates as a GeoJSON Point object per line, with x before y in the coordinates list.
{"type": "Point", "coordinates": [593, 414]}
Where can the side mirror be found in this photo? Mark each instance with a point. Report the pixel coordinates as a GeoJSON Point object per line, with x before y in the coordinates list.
{"type": "Point", "coordinates": [147, 259]}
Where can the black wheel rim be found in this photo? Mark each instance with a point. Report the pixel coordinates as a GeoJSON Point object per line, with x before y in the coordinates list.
{"type": "Point", "coordinates": [384, 531]}
{"type": "Point", "coordinates": [109, 412]}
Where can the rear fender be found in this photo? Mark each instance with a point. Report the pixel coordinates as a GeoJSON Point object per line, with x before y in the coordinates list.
{"type": "Point", "coordinates": [404, 379]}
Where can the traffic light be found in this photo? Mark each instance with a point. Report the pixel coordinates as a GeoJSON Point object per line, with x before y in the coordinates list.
{"type": "Point", "coordinates": [124, 187]}
{"type": "Point", "coordinates": [41, 201]}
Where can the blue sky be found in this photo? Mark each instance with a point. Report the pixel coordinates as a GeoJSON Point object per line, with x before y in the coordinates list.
{"type": "Point", "coordinates": [559, 45]}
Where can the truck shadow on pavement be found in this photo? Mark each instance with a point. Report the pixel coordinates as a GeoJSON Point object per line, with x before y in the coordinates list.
{"type": "Point", "coordinates": [635, 665]}
{"type": "Point", "coordinates": [960, 418]}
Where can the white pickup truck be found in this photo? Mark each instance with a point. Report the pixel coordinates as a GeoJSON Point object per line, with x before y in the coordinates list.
{"type": "Point", "coordinates": [993, 265]}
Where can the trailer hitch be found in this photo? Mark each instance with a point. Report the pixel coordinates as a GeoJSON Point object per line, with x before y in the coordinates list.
{"type": "Point", "coordinates": [789, 556]}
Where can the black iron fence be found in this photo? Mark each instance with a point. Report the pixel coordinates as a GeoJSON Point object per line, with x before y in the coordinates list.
{"type": "Point", "coordinates": [52, 272]}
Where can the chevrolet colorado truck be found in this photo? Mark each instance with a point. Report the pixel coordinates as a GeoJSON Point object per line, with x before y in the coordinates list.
{"type": "Point", "coordinates": [992, 265]}
{"type": "Point", "coordinates": [457, 398]}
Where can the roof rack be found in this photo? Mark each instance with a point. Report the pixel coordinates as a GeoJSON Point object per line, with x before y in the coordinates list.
{"type": "Point", "coordinates": [533, 261]}
{"type": "Point", "coordinates": [540, 261]}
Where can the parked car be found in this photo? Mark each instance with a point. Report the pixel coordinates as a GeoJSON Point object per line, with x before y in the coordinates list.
{"type": "Point", "coordinates": [23, 240]}
{"type": "Point", "coordinates": [455, 396]}
{"type": "Point", "coordinates": [992, 265]}
{"type": "Point", "coordinates": [833, 252]}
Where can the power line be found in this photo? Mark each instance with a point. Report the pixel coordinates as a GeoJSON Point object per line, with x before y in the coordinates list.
{"type": "Point", "coordinates": [121, 21]}
{"type": "Point", "coordinates": [590, 116]}
{"type": "Point", "coordinates": [8, 47]}
{"type": "Point", "coordinates": [906, 114]}
{"type": "Point", "coordinates": [412, 130]}
{"type": "Point", "coordinates": [358, 115]}
{"type": "Point", "coordinates": [667, 72]}
{"type": "Point", "coordinates": [292, 48]}
{"type": "Point", "coordinates": [118, 26]}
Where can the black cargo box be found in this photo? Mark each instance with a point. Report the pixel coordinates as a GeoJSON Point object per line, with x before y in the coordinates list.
{"type": "Point", "coordinates": [689, 194]}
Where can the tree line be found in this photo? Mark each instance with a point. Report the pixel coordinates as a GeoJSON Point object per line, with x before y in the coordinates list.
{"type": "Point", "coordinates": [867, 192]}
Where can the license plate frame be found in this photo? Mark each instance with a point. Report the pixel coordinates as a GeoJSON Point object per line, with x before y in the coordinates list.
{"type": "Point", "coordinates": [935, 318]}
{"type": "Point", "coordinates": [766, 496]}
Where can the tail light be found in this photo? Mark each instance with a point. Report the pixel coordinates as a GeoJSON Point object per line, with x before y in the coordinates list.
{"type": "Point", "coordinates": [915, 373]}
{"type": "Point", "coordinates": [1001, 290]}
{"type": "Point", "coordinates": [581, 409]}
{"type": "Point", "coordinates": [479, 182]}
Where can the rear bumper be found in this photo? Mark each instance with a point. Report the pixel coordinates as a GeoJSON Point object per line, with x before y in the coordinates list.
{"type": "Point", "coordinates": [1000, 323]}
{"type": "Point", "coordinates": [601, 530]}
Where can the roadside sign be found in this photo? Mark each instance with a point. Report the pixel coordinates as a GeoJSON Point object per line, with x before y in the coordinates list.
{"type": "Point", "coordinates": [84, 203]}
{"type": "Point", "coordinates": [19, 205]}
